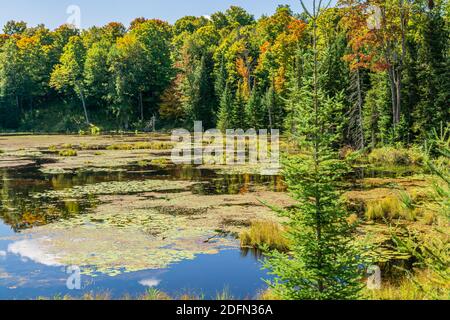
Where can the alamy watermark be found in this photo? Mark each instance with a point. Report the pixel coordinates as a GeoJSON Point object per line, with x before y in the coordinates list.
{"type": "Point", "coordinates": [74, 18]}
{"type": "Point", "coordinates": [375, 18]}
{"type": "Point", "coordinates": [234, 147]}
{"type": "Point", "coordinates": [374, 278]}
{"type": "Point", "coordinates": [73, 282]}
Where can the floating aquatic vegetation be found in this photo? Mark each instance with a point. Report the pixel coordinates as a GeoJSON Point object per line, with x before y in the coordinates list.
{"type": "Point", "coordinates": [112, 243]}
{"type": "Point", "coordinates": [24, 153]}
{"type": "Point", "coordinates": [115, 187]}
{"type": "Point", "coordinates": [151, 145]}
{"type": "Point", "coordinates": [253, 169]}
{"type": "Point", "coordinates": [68, 153]}
{"type": "Point", "coordinates": [161, 162]}
{"type": "Point", "coordinates": [54, 170]}
{"type": "Point", "coordinates": [148, 230]}
{"type": "Point", "coordinates": [14, 162]}
{"type": "Point", "coordinates": [50, 170]}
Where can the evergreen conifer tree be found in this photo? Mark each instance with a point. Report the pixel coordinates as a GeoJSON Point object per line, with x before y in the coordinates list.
{"type": "Point", "coordinates": [323, 263]}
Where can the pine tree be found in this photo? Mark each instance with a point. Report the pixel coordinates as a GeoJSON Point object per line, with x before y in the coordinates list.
{"type": "Point", "coordinates": [225, 120]}
{"type": "Point", "coordinates": [199, 95]}
{"type": "Point", "coordinates": [356, 124]}
{"type": "Point", "coordinates": [433, 73]}
{"type": "Point", "coordinates": [323, 263]}
{"type": "Point", "coordinates": [238, 117]}
{"type": "Point", "coordinates": [253, 110]}
{"type": "Point", "coordinates": [377, 113]}
{"type": "Point", "coordinates": [272, 108]}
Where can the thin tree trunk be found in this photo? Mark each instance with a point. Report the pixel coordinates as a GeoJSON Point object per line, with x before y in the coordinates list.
{"type": "Point", "coordinates": [270, 115]}
{"type": "Point", "coordinates": [398, 86]}
{"type": "Point", "coordinates": [360, 115]}
{"type": "Point", "coordinates": [83, 101]}
{"type": "Point", "coordinates": [141, 105]}
{"type": "Point", "coordinates": [393, 95]}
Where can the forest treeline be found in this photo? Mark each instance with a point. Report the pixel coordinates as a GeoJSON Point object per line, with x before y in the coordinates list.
{"type": "Point", "coordinates": [388, 66]}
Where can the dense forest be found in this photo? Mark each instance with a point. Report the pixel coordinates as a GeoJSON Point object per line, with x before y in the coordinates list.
{"type": "Point", "coordinates": [389, 72]}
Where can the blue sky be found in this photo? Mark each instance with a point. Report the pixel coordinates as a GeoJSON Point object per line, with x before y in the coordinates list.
{"type": "Point", "coordinates": [99, 12]}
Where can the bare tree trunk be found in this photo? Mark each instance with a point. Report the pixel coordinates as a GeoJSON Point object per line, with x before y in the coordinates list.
{"type": "Point", "coordinates": [396, 67]}
{"type": "Point", "coordinates": [398, 86]}
{"type": "Point", "coordinates": [393, 98]}
{"type": "Point", "coordinates": [141, 105]}
{"type": "Point", "coordinates": [270, 115]}
{"type": "Point", "coordinates": [83, 101]}
{"type": "Point", "coordinates": [360, 113]}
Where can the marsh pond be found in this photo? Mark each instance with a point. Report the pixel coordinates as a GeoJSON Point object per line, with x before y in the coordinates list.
{"type": "Point", "coordinates": [116, 210]}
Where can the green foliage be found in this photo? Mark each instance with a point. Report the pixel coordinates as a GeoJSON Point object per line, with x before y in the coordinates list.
{"type": "Point", "coordinates": [68, 74]}
{"type": "Point", "coordinates": [14, 27]}
{"type": "Point", "coordinates": [431, 249]}
{"type": "Point", "coordinates": [323, 262]}
{"type": "Point", "coordinates": [96, 71]}
{"type": "Point", "coordinates": [95, 131]}
{"type": "Point", "coordinates": [376, 111]}
{"type": "Point", "coordinates": [397, 156]}
{"type": "Point", "coordinates": [200, 100]}
{"type": "Point", "coordinates": [226, 115]}
{"type": "Point", "coordinates": [180, 73]}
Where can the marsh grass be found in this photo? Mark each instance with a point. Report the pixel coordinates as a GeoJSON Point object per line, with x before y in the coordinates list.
{"type": "Point", "coordinates": [153, 294]}
{"type": "Point", "coordinates": [429, 218]}
{"type": "Point", "coordinates": [264, 233]}
{"type": "Point", "coordinates": [413, 205]}
{"type": "Point", "coordinates": [389, 208]}
{"type": "Point", "coordinates": [224, 295]}
{"type": "Point", "coordinates": [397, 156]}
{"type": "Point", "coordinates": [418, 286]}
{"type": "Point", "coordinates": [87, 296]}
{"type": "Point", "coordinates": [410, 206]}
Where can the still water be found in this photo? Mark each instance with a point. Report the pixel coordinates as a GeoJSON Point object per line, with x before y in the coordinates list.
{"type": "Point", "coordinates": [29, 276]}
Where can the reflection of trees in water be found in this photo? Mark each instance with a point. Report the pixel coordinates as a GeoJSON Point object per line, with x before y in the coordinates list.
{"type": "Point", "coordinates": [21, 211]}
{"type": "Point", "coordinates": [257, 254]}
{"type": "Point", "coordinates": [242, 183]}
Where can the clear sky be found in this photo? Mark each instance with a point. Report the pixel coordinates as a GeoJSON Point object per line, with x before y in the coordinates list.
{"type": "Point", "coordinates": [99, 12]}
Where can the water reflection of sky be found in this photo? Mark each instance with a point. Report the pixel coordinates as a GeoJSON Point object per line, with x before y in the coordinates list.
{"type": "Point", "coordinates": [207, 275]}
{"type": "Point", "coordinates": [26, 272]}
